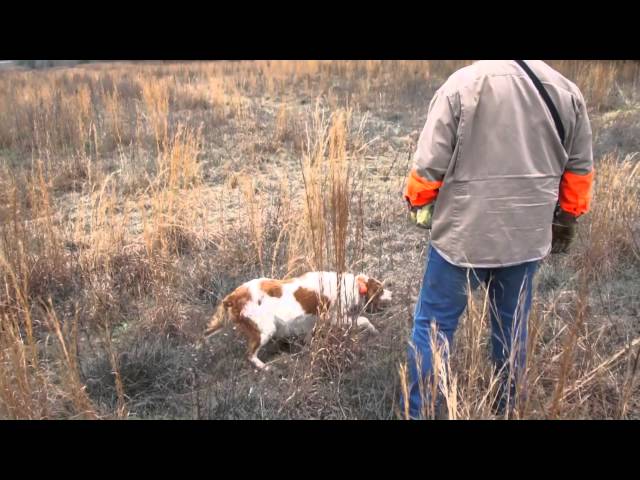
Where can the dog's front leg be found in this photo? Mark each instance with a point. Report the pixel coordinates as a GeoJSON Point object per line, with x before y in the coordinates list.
{"type": "Point", "coordinates": [364, 322]}
{"type": "Point", "coordinates": [311, 321]}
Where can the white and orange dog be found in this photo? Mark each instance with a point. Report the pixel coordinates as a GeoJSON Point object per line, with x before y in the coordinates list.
{"type": "Point", "coordinates": [264, 308]}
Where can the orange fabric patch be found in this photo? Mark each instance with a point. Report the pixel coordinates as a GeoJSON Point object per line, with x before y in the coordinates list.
{"type": "Point", "coordinates": [575, 192]}
{"type": "Point", "coordinates": [362, 285]}
{"type": "Point", "coordinates": [420, 191]}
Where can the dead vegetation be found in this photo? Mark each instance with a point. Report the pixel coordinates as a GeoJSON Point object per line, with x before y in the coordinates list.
{"type": "Point", "coordinates": [134, 197]}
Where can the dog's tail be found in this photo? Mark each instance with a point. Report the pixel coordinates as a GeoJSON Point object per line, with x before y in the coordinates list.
{"type": "Point", "coordinates": [218, 321]}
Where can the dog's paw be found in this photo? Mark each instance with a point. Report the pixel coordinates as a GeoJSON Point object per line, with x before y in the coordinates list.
{"type": "Point", "coordinates": [259, 365]}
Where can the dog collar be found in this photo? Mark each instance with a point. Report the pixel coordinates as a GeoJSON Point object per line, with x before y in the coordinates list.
{"type": "Point", "coordinates": [362, 287]}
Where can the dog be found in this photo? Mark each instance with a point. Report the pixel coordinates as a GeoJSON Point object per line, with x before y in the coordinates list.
{"type": "Point", "coordinates": [265, 309]}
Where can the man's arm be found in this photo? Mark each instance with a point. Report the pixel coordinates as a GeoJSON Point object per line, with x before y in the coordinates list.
{"type": "Point", "coordinates": [435, 149]}
{"type": "Point", "coordinates": [576, 183]}
{"type": "Point", "coordinates": [577, 179]}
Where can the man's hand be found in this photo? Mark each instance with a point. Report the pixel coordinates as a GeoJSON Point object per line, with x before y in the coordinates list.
{"type": "Point", "coordinates": [421, 216]}
{"type": "Point", "coordinates": [563, 231]}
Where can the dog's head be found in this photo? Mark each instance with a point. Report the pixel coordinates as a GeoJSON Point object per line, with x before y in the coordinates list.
{"type": "Point", "coordinates": [375, 295]}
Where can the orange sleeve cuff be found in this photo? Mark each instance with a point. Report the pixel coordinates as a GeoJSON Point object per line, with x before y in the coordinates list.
{"type": "Point", "coordinates": [420, 191]}
{"type": "Point", "coordinates": [575, 192]}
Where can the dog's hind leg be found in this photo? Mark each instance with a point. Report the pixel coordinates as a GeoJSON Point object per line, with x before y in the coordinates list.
{"type": "Point", "coordinates": [252, 353]}
{"type": "Point", "coordinates": [257, 339]}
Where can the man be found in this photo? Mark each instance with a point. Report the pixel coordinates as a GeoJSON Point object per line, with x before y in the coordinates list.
{"type": "Point", "coordinates": [499, 177]}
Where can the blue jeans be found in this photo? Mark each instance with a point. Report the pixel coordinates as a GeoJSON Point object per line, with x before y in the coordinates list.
{"type": "Point", "coordinates": [443, 298]}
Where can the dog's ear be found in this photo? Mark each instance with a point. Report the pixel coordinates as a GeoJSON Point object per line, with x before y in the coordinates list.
{"type": "Point", "coordinates": [373, 287]}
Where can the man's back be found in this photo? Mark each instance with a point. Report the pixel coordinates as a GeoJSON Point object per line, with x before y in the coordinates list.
{"type": "Point", "coordinates": [491, 141]}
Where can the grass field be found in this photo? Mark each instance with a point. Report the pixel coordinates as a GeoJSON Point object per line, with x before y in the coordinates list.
{"type": "Point", "coordinates": [133, 197]}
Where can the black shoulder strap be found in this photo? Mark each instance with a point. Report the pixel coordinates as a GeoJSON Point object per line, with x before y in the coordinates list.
{"type": "Point", "coordinates": [545, 96]}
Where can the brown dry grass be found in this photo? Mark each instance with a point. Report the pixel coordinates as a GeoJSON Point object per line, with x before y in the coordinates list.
{"type": "Point", "coordinates": [133, 197]}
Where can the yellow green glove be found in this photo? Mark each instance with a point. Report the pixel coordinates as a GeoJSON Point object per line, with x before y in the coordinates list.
{"type": "Point", "coordinates": [422, 216]}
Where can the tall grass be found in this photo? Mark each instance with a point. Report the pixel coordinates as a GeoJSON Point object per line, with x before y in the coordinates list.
{"type": "Point", "coordinates": [134, 197]}
{"type": "Point", "coordinates": [326, 177]}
